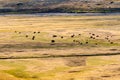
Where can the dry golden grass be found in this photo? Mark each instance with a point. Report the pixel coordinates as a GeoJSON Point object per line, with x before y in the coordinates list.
{"type": "Point", "coordinates": [96, 68]}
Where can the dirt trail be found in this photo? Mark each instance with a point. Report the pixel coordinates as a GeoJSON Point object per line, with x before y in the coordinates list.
{"type": "Point", "coordinates": [61, 56]}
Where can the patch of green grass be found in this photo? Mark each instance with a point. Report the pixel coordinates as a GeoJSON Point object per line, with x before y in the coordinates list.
{"type": "Point", "coordinates": [12, 64]}
{"type": "Point", "coordinates": [19, 73]}
{"type": "Point", "coordinates": [17, 68]}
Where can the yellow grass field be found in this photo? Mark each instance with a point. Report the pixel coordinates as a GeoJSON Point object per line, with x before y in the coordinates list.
{"type": "Point", "coordinates": [25, 58]}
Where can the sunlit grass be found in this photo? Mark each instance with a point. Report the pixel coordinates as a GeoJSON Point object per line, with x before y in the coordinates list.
{"type": "Point", "coordinates": [35, 69]}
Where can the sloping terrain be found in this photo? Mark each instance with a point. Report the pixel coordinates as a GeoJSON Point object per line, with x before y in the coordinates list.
{"type": "Point", "coordinates": [23, 57]}
{"type": "Point", "coordinates": [77, 6]}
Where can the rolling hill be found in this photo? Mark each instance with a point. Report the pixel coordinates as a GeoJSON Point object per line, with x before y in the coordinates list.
{"type": "Point", "coordinates": [71, 6]}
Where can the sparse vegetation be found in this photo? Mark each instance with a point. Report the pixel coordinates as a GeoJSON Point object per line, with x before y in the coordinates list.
{"type": "Point", "coordinates": [22, 58]}
{"type": "Point", "coordinates": [63, 6]}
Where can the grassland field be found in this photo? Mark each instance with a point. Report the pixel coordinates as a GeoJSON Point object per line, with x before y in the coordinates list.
{"type": "Point", "coordinates": [18, 46]}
